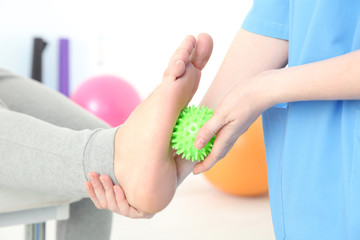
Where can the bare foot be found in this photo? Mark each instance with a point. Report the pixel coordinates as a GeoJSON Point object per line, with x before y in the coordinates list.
{"type": "Point", "coordinates": [144, 163]}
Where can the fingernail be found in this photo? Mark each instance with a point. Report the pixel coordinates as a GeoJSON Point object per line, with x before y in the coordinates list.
{"type": "Point", "coordinates": [199, 144]}
{"type": "Point", "coordinates": [179, 62]}
{"type": "Point", "coordinates": [116, 190]}
{"type": "Point", "coordinates": [92, 179]}
{"type": "Point", "coordinates": [108, 183]}
{"type": "Point", "coordinates": [102, 180]}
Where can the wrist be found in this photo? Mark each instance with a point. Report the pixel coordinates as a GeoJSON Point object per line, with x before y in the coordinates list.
{"type": "Point", "coordinates": [266, 90]}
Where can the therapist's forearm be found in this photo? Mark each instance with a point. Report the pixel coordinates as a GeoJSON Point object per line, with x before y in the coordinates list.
{"type": "Point", "coordinates": [337, 78]}
{"type": "Point", "coordinates": [248, 55]}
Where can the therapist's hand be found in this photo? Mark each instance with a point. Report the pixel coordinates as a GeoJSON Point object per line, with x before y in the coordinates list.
{"type": "Point", "coordinates": [233, 116]}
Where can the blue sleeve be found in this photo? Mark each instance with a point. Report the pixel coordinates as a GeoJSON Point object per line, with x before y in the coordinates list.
{"type": "Point", "coordinates": [269, 18]}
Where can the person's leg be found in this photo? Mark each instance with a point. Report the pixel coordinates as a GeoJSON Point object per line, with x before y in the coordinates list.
{"type": "Point", "coordinates": [39, 148]}
{"type": "Point", "coordinates": [86, 221]}
{"type": "Point", "coordinates": [39, 140]}
{"type": "Point", "coordinates": [32, 98]}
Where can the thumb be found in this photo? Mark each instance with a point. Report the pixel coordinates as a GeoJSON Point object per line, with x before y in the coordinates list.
{"type": "Point", "coordinates": [208, 130]}
{"type": "Point", "coordinates": [224, 141]}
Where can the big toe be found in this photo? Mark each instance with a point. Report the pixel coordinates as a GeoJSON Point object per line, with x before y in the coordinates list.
{"type": "Point", "coordinates": [202, 52]}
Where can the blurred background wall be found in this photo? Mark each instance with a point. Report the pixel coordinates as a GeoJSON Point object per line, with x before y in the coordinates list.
{"type": "Point", "coordinates": [129, 39]}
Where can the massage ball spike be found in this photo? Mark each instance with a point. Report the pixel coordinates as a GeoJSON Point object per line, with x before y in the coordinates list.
{"type": "Point", "coordinates": [190, 120]}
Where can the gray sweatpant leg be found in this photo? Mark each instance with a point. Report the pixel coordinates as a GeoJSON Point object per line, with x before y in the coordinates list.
{"type": "Point", "coordinates": [48, 144]}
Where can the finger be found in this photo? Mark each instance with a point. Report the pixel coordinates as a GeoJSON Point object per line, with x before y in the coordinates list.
{"type": "Point", "coordinates": [92, 195]}
{"type": "Point", "coordinates": [208, 130]}
{"type": "Point", "coordinates": [124, 208]}
{"type": "Point", "coordinates": [99, 189]}
{"type": "Point", "coordinates": [134, 213]}
{"type": "Point", "coordinates": [121, 201]}
{"type": "Point", "coordinates": [224, 141]}
{"type": "Point", "coordinates": [109, 193]}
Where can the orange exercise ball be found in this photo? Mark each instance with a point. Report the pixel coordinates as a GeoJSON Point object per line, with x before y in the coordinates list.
{"type": "Point", "coordinates": [243, 171]}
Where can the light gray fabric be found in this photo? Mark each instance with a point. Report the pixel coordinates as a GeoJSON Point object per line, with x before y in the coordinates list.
{"type": "Point", "coordinates": [49, 144]}
{"type": "Point", "coordinates": [85, 223]}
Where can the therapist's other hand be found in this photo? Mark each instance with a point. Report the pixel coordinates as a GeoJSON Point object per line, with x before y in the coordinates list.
{"type": "Point", "coordinates": [233, 116]}
{"type": "Point", "coordinates": [105, 195]}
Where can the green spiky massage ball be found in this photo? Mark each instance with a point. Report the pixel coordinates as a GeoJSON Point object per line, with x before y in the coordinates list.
{"type": "Point", "coordinates": [190, 121]}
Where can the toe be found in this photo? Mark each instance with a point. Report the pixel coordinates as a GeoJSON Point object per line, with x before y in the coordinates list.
{"type": "Point", "coordinates": [202, 52]}
{"type": "Point", "coordinates": [188, 45]}
{"type": "Point", "coordinates": [180, 58]}
{"type": "Point", "coordinates": [177, 68]}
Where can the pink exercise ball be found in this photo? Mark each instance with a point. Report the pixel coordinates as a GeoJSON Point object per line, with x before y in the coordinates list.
{"type": "Point", "coordinates": [110, 98]}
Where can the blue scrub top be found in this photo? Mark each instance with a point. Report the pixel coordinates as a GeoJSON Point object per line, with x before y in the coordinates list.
{"type": "Point", "coordinates": [313, 147]}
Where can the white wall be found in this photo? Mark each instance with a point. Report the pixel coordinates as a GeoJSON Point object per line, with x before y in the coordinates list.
{"type": "Point", "coordinates": [137, 37]}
